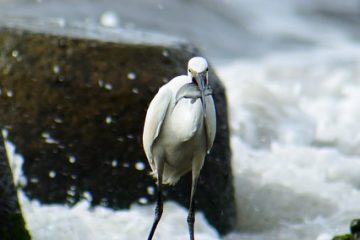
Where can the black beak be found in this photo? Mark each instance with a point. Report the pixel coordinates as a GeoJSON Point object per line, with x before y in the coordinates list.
{"type": "Point", "coordinates": [201, 81]}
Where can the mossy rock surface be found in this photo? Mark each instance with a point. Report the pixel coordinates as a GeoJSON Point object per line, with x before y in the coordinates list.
{"type": "Point", "coordinates": [344, 237]}
{"type": "Point", "coordinates": [75, 110]}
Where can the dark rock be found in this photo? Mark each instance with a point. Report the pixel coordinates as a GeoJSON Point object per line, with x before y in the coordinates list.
{"type": "Point", "coordinates": [12, 225]}
{"type": "Point", "coordinates": [75, 110]}
{"type": "Point", "coordinates": [354, 229]}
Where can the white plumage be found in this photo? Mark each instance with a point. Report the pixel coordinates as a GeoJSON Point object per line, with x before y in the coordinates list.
{"type": "Point", "coordinates": [175, 133]}
{"type": "Point", "coordinates": [179, 131]}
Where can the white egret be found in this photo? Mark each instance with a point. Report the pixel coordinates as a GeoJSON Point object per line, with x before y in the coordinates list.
{"type": "Point", "coordinates": [179, 131]}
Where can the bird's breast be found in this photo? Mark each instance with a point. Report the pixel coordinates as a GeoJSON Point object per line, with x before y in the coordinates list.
{"type": "Point", "coordinates": [186, 119]}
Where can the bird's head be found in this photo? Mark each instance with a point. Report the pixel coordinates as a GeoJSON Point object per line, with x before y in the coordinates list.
{"type": "Point", "coordinates": [198, 71]}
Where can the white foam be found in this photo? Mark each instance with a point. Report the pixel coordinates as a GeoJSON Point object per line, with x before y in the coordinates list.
{"type": "Point", "coordinates": [79, 222]}
{"type": "Point", "coordinates": [60, 222]}
{"type": "Point", "coordinates": [302, 181]}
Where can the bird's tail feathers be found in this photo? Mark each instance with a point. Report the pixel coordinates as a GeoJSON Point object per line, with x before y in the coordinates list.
{"type": "Point", "coordinates": [170, 179]}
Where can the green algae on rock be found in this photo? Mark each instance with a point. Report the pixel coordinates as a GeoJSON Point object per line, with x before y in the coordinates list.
{"type": "Point", "coordinates": [344, 237]}
{"type": "Point", "coordinates": [354, 229]}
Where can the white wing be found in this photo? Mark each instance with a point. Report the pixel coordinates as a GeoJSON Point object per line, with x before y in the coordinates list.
{"type": "Point", "coordinates": [210, 121]}
{"type": "Point", "coordinates": [155, 116]}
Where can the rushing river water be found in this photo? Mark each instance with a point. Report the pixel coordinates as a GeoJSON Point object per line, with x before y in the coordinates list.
{"type": "Point", "coordinates": [292, 73]}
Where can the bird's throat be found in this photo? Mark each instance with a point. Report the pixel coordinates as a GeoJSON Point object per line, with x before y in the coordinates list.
{"type": "Point", "coordinates": [191, 90]}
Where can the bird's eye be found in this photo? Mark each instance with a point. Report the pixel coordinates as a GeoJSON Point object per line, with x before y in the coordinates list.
{"type": "Point", "coordinates": [189, 70]}
{"type": "Point", "coordinates": [207, 69]}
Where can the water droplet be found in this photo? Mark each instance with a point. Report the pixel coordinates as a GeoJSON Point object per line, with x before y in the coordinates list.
{"type": "Point", "coordinates": [150, 190]}
{"type": "Point", "coordinates": [100, 83]}
{"type": "Point", "coordinates": [135, 90]}
{"type": "Point", "coordinates": [140, 166]}
{"type": "Point", "coordinates": [143, 200]}
{"type": "Point", "coordinates": [9, 93]}
{"type": "Point", "coordinates": [48, 138]}
{"type": "Point", "coordinates": [126, 165]}
{"type": "Point", "coordinates": [52, 174]}
{"type": "Point", "coordinates": [131, 76]}
{"type": "Point", "coordinates": [114, 163]}
{"type": "Point", "coordinates": [15, 54]}
{"type": "Point", "coordinates": [108, 120]}
{"type": "Point", "coordinates": [108, 86]}
{"type": "Point", "coordinates": [130, 136]}
{"type": "Point", "coordinates": [56, 69]}
{"type": "Point", "coordinates": [34, 180]}
{"type": "Point", "coordinates": [58, 120]}
{"type": "Point", "coordinates": [120, 139]}
{"type": "Point", "coordinates": [72, 159]}
{"type": "Point", "coordinates": [45, 135]}
{"type": "Point", "coordinates": [165, 53]}
{"type": "Point", "coordinates": [109, 19]}
{"type": "Point", "coordinates": [71, 192]}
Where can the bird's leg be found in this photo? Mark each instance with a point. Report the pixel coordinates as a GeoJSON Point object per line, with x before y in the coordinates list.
{"type": "Point", "coordinates": [159, 204]}
{"type": "Point", "coordinates": [191, 215]}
